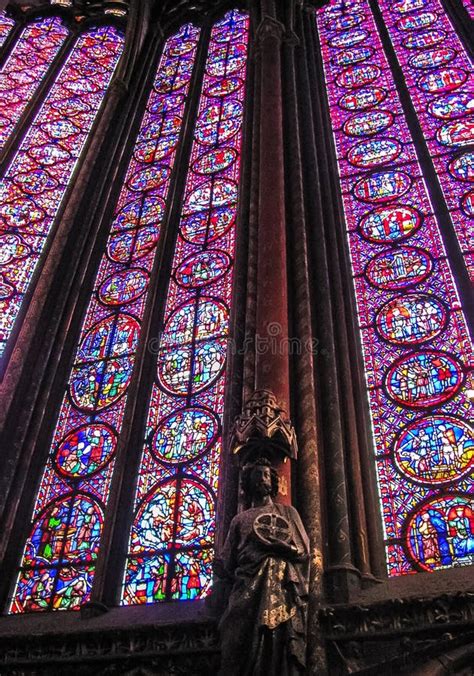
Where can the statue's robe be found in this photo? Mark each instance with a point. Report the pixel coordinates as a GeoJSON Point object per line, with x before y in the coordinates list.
{"type": "Point", "coordinates": [263, 629]}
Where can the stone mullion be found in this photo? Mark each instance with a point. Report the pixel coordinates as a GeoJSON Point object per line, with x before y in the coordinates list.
{"type": "Point", "coordinates": [119, 511]}
{"type": "Point", "coordinates": [462, 22]}
{"type": "Point", "coordinates": [307, 471]}
{"type": "Point", "coordinates": [33, 386]}
{"type": "Point", "coordinates": [341, 574]}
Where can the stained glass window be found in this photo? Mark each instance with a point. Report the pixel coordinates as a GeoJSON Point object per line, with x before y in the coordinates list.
{"type": "Point", "coordinates": [36, 180]}
{"type": "Point", "coordinates": [25, 68]}
{"type": "Point", "coordinates": [171, 540]}
{"type": "Point", "coordinates": [75, 485]}
{"type": "Point", "coordinates": [6, 25]}
{"type": "Point", "coordinates": [469, 6]}
{"type": "Point", "coordinates": [439, 76]}
{"type": "Point", "coordinates": [415, 342]}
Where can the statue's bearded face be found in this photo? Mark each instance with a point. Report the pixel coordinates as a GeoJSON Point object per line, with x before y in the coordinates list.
{"type": "Point", "coordinates": [261, 480]}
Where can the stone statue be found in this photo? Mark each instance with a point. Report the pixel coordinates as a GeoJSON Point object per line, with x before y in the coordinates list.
{"type": "Point", "coordinates": [266, 558]}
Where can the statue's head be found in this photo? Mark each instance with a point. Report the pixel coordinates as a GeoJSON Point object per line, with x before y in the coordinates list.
{"type": "Point", "coordinates": [259, 478]}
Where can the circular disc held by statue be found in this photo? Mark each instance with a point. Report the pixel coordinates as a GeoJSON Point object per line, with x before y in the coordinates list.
{"type": "Point", "coordinates": [270, 527]}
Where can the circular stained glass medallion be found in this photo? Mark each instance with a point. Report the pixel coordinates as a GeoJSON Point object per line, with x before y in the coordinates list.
{"type": "Point", "coordinates": [348, 38]}
{"type": "Point", "coordinates": [223, 86]}
{"type": "Point", "coordinates": [382, 186]}
{"type": "Point", "coordinates": [140, 212]}
{"type": "Point", "coordinates": [218, 123]}
{"type": "Point", "coordinates": [442, 80]}
{"type": "Point", "coordinates": [463, 167]}
{"type": "Point", "coordinates": [85, 450]}
{"type": "Point", "coordinates": [407, 6]}
{"type": "Point", "coordinates": [174, 516]}
{"type": "Point", "coordinates": [456, 134]}
{"type": "Point", "coordinates": [203, 268]}
{"type": "Point", "coordinates": [440, 533]}
{"type": "Point", "coordinates": [226, 60]}
{"type": "Point", "coordinates": [97, 385]}
{"type": "Point", "coordinates": [6, 290]}
{"type": "Point", "coordinates": [112, 336]}
{"type": "Point", "coordinates": [60, 129]}
{"type": "Point", "coordinates": [207, 226]}
{"type": "Point", "coordinates": [385, 225]}
{"type": "Point", "coordinates": [411, 319]}
{"type": "Point", "coordinates": [417, 21]}
{"type": "Point", "coordinates": [352, 55]}
{"type": "Point", "coordinates": [368, 123]}
{"type": "Point", "coordinates": [124, 247]}
{"type": "Point", "coordinates": [149, 178]}
{"type": "Point", "coordinates": [424, 379]}
{"type": "Point", "coordinates": [361, 99]}
{"type": "Point", "coordinates": [214, 160]}
{"type": "Point", "coordinates": [49, 154]}
{"type": "Point", "coordinates": [172, 78]}
{"type": "Point", "coordinates": [368, 154]}
{"type": "Point", "coordinates": [344, 21]}
{"type": "Point", "coordinates": [399, 268]}
{"type": "Point", "coordinates": [212, 194]}
{"type": "Point", "coordinates": [35, 182]}
{"type": "Point", "coordinates": [467, 203]}
{"type": "Point", "coordinates": [155, 150]}
{"type": "Point", "coordinates": [432, 58]}
{"type": "Point", "coordinates": [12, 247]}
{"type": "Point", "coordinates": [184, 372]}
{"type": "Point", "coordinates": [358, 76]}
{"type": "Point", "coordinates": [69, 529]}
{"type": "Point", "coordinates": [123, 287]}
{"type": "Point", "coordinates": [196, 320]}
{"type": "Point", "coordinates": [435, 450]}
{"type": "Point", "coordinates": [162, 105]}
{"type": "Point", "coordinates": [185, 435]}
{"type": "Point", "coordinates": [423, 39]}
{"type": "Point", "coordinates": [452, 106]}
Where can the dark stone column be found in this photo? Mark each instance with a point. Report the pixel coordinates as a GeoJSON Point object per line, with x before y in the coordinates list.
{"type": "Point", "coordinates": [272, 367]}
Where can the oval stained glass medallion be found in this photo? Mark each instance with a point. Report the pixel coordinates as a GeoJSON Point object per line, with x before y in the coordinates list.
{"type": "Point", "coordinates": [385, 225]}
{"type": "Point", "coordinates": [361, 99]}
{"type": "Point", "coordinates": [452, 106]}
{"type": "Point", "coordinates": [184, 435]}
{"type": "Point", "coordinates": [440, 533]}
{"type": "Point", "coordinates": [203, 268]}
{"type": "Point", "coordinates": [368, 154]}
{"type": "Point", "coordinates": [123, 287]}
{"type": "Point", "coordinates": [399, 268]}
{"type": "Point", "coordinates": [358, 76]}
{"type": "Point", "coordinates": [435, 450]}
{"type": "Point", "coordinates": [85, 450]}
{"type": "Point", "coordinates": [424, 379]}
{"type": "Point", "coordinates": [382, 186]}
{"type": "Point", "coordinates": [442, 80]}
{"type": "Point", "coordinates": [368, 123]}
{"type": "Point", "coordinates": [456, 134]}
{"type": "Point", "coordinates": [411, 319]}
{"type": "Point", "coordinates": [462, 167]}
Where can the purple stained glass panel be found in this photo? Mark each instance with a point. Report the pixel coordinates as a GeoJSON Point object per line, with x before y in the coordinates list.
{"type": "Point", "coordinates": [171, 543]}
{"type": "Point", "coordinates": [34, 184]}
{"type": "Point", "coordinates": [90, 420]}
{"type": "Point", "coordinates": [417, 350]}
{"type": "Point", "coordinates": [6, 25]}
{"type": "Point", "coordinates": [26, 67]}
{"type": "Point", "coordinates": [441, 85]}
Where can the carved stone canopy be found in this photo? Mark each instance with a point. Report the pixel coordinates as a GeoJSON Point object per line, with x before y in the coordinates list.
{"type": "Point", "coordinates": [263, 427]}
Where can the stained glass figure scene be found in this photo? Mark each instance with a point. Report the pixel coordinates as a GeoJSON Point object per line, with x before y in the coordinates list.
{"type": "Point", "coordinates": [25, 69]}
{"type": "Point", "coordinates": [439, 76]}
{"type": "Point", "coordinates": [83, 450]}
{"type": "Point", "coordinates": [34, 184]}
{"type": "Point", "coordinates": [417, 349]}
{"type": "Point", "coordinates": [171, 541]}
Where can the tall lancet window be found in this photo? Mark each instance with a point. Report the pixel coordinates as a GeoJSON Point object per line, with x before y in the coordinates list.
{"type": "Point", "coordinates": [26, 68]}
{"type": "Point", "coordinates": [171, 541]}
{"type": "Point", "coordinates": [35, 182]}
{"type": "Point", "coordinates": [72, 505]}
{"type": "Point", "coordinates": [439, 76]}
{"type": "Point", "coordinates": [416, 345]}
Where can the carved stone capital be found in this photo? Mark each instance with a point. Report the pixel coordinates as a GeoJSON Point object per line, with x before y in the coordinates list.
{"type": "Point", "coordinates": [269, 29]}
{"type": "Point", "coordinates": [263, 423]}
